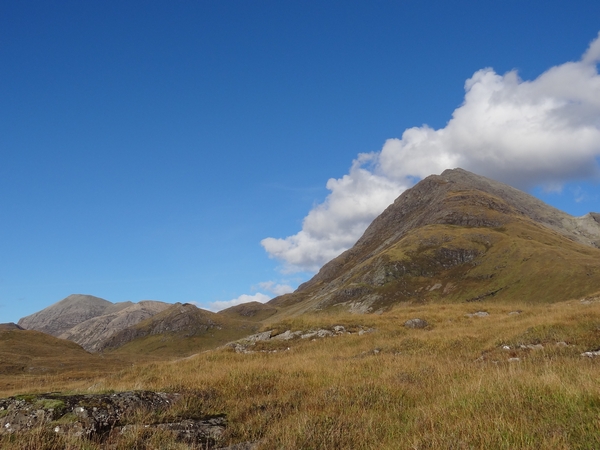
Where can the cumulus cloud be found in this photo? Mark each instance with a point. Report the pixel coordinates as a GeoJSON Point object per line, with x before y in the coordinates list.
{"type": "Point", "coordinates": [526, 133]}
{"type": "Point", "coordinates": [244, 298]}
{"type": "Point", "coordinates": [334, 225]}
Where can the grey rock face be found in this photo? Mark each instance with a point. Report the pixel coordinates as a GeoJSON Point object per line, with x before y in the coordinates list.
{"type": "Point", "coordinates": [67, 313]}
{"type": "Point", "coordinates": [90, 321]}
{"type": "Point", "coordinates": [185, 319]}
{"type": "Point", "coordinates": [93, 332]}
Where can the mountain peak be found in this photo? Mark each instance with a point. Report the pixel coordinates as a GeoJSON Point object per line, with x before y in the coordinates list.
{"type": "Point", "coordinates": [442, 229]}
{"type": "Point", "coordinates": [65, 314]}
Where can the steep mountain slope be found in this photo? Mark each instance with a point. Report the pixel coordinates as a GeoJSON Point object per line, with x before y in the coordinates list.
{"type": "Point", "coordinates": [69, 312]}
{"type": "Point", "coordinates": [93, 332]}
{"type": "Point", "coordinates": [180, 330]}
{"type": "Point", "coordinates": [458, 237]}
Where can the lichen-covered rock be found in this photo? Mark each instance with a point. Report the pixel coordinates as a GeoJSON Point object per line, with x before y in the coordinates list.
{"type": "Point", "coordinates": [98, 415]}
{"type": "Point", "coordinates": [287, 335]}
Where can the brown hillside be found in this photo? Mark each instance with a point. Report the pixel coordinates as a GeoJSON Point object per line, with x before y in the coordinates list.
{"type": "Point", "coordinates": [254, 311]}
{"type": "Point", "coordinates": [29, 352]}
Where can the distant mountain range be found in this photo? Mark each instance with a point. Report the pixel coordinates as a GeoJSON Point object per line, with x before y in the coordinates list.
{"type": "Point", "coordinates": [89, 320]}
{"type": "Point", "coordinates": [99, 325]}
{"type": "Point", "coordinates": [453, 237]}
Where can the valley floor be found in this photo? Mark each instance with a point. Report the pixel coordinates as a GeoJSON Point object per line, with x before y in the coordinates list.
{"type": "Point", "coordinates": [512, 379]}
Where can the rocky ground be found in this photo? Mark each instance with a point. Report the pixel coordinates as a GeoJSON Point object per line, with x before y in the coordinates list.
{"type": "Point", "coordinates": [98, 416]}
{"type": "Point", "coordinates": [249, 344]}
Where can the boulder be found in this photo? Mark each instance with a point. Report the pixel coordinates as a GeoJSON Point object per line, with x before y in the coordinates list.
{"type": "Point", "coordinates": [416, 323]}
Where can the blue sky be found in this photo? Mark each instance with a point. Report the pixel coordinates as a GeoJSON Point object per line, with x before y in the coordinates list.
{"type": "Point", "coordinates": [203, 151]}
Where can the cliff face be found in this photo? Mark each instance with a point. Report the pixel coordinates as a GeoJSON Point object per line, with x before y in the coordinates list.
{"type": "Point", "coordinates": [458, 237]}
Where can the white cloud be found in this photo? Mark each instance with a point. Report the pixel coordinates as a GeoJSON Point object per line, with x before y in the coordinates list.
{"type": "Point", "coordinates": [525, 133]}
{"type": "Point", "coordinates": [244, 298]}
{"type": "Point", "coordinates": [334, 225]}
{"type": "Point", "coordinates": [275, 288]}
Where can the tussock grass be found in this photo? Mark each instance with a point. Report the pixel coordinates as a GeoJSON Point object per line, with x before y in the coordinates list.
{"type": "Point", "coordinates": [448, 386]}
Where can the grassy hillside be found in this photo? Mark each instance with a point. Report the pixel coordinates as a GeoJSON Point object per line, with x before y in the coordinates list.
{"type": "Point", "coordinates": [31, 357]}
{"type": "Point", "coordinates": [453, 384]}
{"type": "Point", "coordinates": [519, 261]}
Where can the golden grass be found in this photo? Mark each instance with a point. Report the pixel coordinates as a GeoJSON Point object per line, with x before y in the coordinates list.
{"type": "Point", "coordinates": [448, 386]}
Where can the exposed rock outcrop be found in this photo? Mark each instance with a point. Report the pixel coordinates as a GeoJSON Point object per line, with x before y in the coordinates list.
{"type": "Point", "coordinates": [416, 323]}
{"type": "Point", "coordinates": [178, 318]}
{"type": "Point", "coordinates": [90, 321]}
{"type": "Point", "coordinates": [249, 343]}
{"type": "Point", "coordinates": [181, 329]}
{"type": "Point", "coordinates": [92, 333]}
{"type": "Point", "coordinates": [98, 416]}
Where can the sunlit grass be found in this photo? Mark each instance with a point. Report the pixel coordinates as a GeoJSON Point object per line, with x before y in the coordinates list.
{"type": "Point", "coordinates": [448, 386]}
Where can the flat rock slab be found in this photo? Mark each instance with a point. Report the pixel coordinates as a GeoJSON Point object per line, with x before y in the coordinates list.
{"type": "Point", "coordinates": [478, 314]}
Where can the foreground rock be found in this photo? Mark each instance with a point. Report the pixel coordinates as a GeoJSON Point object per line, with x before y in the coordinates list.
{"type": "Point", "coordinates": [98, 416]}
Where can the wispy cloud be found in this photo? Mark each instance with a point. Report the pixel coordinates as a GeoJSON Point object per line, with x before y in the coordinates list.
{"type": "Point", "coordinates": [244, 298]}
{"type": "Point", "coordinates": [275, 288]}
{"type": "Point", "coordinates": [525, 133]}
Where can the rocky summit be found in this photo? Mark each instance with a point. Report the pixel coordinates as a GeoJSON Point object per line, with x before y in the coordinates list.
{"type": "Point", "coordinates": [67, 313]}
